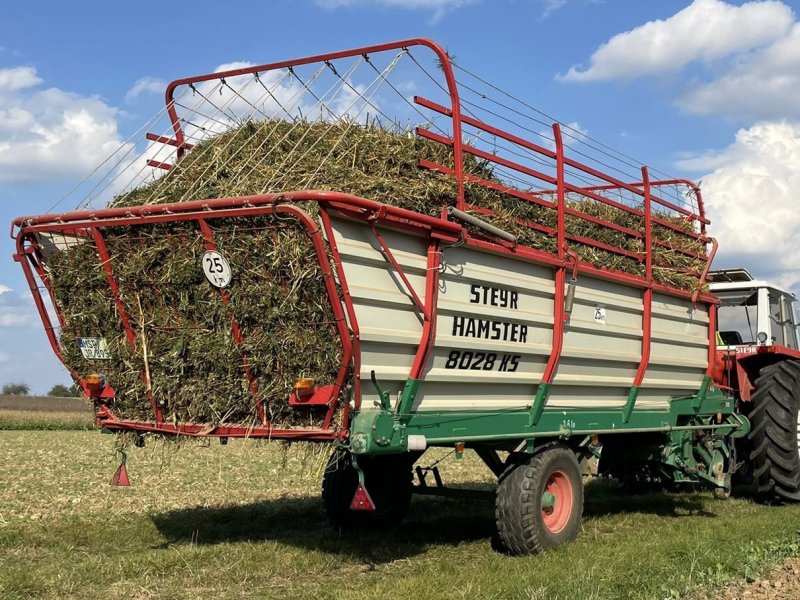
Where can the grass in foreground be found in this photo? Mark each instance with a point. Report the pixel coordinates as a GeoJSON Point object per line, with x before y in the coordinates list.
{"type": "Point", "coordinates": [244, 521]}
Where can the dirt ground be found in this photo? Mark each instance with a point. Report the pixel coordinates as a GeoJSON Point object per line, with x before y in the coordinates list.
{"type": "Point", "coordinates": [783, 583]}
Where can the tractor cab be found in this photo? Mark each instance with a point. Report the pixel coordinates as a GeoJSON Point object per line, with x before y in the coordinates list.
{"type": "Point", "coordinates": [754, 315]}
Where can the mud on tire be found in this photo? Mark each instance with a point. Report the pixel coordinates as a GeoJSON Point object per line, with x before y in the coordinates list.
{"type": "Point", "coordinates": [774, 437]}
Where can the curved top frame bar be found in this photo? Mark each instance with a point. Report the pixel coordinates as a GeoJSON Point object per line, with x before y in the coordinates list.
{"type": "Point", "coordinates": [439, 51]}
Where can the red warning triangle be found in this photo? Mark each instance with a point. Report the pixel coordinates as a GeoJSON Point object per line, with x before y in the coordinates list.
{"type": "Point", "coordinates": [361, 499]}
{"type": "Point", "coordinates": [121, 476]}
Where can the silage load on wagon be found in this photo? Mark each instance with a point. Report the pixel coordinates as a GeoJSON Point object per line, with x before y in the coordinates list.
{"type": "Point", "coordinates": [183, 336]}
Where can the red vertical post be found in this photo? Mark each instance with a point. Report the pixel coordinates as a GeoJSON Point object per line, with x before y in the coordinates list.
{"type": "Point", "coordinates": [559, 293]}
{"type": "Point", "coordinates": [211, 245]}
{"type": "Point", "coordinates": [105, 259]}
{"type": "Point", "coordinates": [647, 298]}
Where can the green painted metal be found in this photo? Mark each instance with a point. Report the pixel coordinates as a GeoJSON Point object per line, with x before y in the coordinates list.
{"type": "Point", "coordinates": [542, 392]}
{"type": "Point", "coordinates": [704, 387]}
{"type": "Point", "coordinates": [407, 398]}
{"type": "Point", "coordinates": [384, 396]}
{"type": "Point", "coordinates": [378, 431]}
{"type": "Point", "coordinates": [445, 427]}
{"type": "Point", "coordinates": [629, 404]}
{"type": "Point", "coordinates": [548, 501]}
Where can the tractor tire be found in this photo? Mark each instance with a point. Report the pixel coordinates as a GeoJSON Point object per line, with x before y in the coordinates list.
{"type": "Point", "coordinates": [388, 480]}
{"type": "Point", "coordinates": [527, 521]}
{"type": "Point", "coordinates": [775, 434]}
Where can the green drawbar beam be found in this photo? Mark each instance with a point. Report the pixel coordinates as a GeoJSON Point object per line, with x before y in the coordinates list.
{"type": "Point", "coordinates": [632, 395]}
{"type": "Point", "coordinates": [542, 392]}
{"type": "Point", "coordinates": [407, 398]}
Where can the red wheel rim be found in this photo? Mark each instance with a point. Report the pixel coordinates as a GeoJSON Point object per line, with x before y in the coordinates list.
{"type": "Point", "coordinates": [556, 516]}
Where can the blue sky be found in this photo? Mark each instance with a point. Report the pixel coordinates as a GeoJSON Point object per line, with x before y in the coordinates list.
{"type": "Point", "coordinates": [706, 89]}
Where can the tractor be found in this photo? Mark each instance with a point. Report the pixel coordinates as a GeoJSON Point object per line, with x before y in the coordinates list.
{"type": "Point", "coordinates": [758, 361]}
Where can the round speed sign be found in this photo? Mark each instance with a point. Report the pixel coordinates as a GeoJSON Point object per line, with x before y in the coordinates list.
{"type": "Point", "coordinates": [217, 269]}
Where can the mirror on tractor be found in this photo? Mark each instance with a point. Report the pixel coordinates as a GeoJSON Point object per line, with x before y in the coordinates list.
{"type": "Point", "coordinates": [753, 312]}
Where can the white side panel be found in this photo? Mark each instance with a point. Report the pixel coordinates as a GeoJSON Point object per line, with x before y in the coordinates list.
{"type": "Point", "coordinates": [495, 326]}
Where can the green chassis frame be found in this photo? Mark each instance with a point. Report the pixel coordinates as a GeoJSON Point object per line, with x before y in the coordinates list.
{"type": "Point", "coordinates": [386, 431]}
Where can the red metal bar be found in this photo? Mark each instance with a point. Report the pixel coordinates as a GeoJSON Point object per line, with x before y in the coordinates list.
{"type": "Point", "coordinates": [167, 141]}
{"type": "Point", "coordinates": [435, 137]}
{"type": "Point", "coordinates": [446, 141]}
{"type": "Point", "coordinates": [656, 199]}
{"type": "Point", "coordinates": [22, 257]}
{"type": "Point", "coordinates": [441, 54]}
{"type": "Point", "coordinates": [399, 270]}
{"type": "Point", "coordinates": [250, 205]}
{"type": "Point", "coordinates": [159, 165]}
{"type": "Point", "coordinates": [172, 210]}
{"type": "Point", "coordinates": [647, 297]}
{"type": "Point", "coordinates": [487, 128]}
{"type": "Point", "coordinates": [503, 189]}
{"type": "Point", "coordinates": [105, 261]}
{"type": "Point", "coordinates": [349, 307]}
{"type": "Point", "coordinates": [561, 274]}
{"type": "Point", "coordinates": [704, 274]}
{"type": "Point", "coordinates": [432, 302]}
{"type": "Point", "coordinates": [554, 232]}
{"type": "Point", "coordinates": [550, 154]}
{"type": "Point", "coordinates": [211, 245]}
{"type": "Point", "coordinates": [231, 431]}
{"type": "Point", "coordinates": [712, 337]}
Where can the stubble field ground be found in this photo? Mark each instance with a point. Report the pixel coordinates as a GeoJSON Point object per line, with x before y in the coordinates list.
{"type": "Point", "coordinates": [245, 521]}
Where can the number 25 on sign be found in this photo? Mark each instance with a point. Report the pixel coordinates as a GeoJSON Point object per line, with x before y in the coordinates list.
{"type": "Point", "coordinates": [217, 269]}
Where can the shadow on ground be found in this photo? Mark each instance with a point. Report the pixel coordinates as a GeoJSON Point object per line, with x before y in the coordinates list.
{"type": "Point", "coordinates": [301, 522]}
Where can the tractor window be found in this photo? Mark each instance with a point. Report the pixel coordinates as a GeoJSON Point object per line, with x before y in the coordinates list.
{"type": "Point", "coordinates": [738, 319]}
{"type": "Point", "coordinates": [782, 317]}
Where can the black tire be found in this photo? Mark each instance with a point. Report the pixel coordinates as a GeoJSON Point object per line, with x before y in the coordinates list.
{"type": "Point", "coordinates": [388, 481]}
{"type": "Point", "coordinates": [774, 438]}
{"type": "Point", "coordinates": [524, 525]}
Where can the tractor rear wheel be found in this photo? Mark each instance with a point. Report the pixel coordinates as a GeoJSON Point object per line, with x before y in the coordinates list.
{"type": "Point", "coordinates": [775, 434]}
{"type": "Point", "coordinates": [388, 480]}
{"type": "Point", "coordinates": [539, 501]}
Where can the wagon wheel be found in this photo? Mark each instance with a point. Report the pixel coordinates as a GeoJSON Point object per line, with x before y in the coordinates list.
{"type": "Point", "coordinates": [539, 501]}
{"type": "Point", "coordinates": [775, 433]}
{"type": "Point", "coordinates": [388, 480]}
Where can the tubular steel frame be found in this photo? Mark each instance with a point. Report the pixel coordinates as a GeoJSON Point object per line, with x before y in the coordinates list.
{"type": "Point", "coordinates": [438, 230]}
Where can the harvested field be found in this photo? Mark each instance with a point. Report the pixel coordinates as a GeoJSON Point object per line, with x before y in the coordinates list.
{"type": "Point", "coordinates": [245, 521]}
{"type": "Point", "coordinates": [45, 413]}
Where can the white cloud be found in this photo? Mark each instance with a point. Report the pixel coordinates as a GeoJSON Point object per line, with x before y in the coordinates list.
{"type": "Point", "coordinates": [18, 78]}
{"type": "Point", "coordinates": [438, 6]}
{"type": "Point", "coordinates": [763, 85]}
{"type": "Point", "coordinates": [750, 195]}
{"type": "Point", "coordinates": [145, 85]}
{"type": "Point", "coordinates": [551, 6]}
{"type": "Point", "coordinates": [705, 30]}
{"type": "Point", "coordinates": [4, 289]}
{"type": "Point", "coordinates": [50, 133]}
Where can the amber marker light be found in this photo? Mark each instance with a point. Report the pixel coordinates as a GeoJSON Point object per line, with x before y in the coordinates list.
{"type": "Point", "coordinates": [95, 384]}
{"type": "Point", "coordinates": [304, 388]}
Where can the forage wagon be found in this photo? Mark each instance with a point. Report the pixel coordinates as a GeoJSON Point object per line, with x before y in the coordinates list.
{"type": "Point", "coordinates": [380, 250]}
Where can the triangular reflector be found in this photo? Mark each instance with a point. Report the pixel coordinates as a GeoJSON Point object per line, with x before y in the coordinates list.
{"type": "Point", "coordinates": [361, 499]}
{"type": "Point", "coordinates": [121, 476]}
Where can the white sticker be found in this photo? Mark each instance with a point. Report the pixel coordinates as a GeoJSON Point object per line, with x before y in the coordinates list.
{"type": "Point", "coordinates": [600, 314]}
{"type": "Point", "coordinates": [94, 348]}
{"type": "Point", "coordinates": [217, 269]}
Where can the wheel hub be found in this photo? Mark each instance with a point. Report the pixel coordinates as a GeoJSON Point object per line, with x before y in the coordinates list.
{"type": "Point", "coordinates": [557, 501]}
